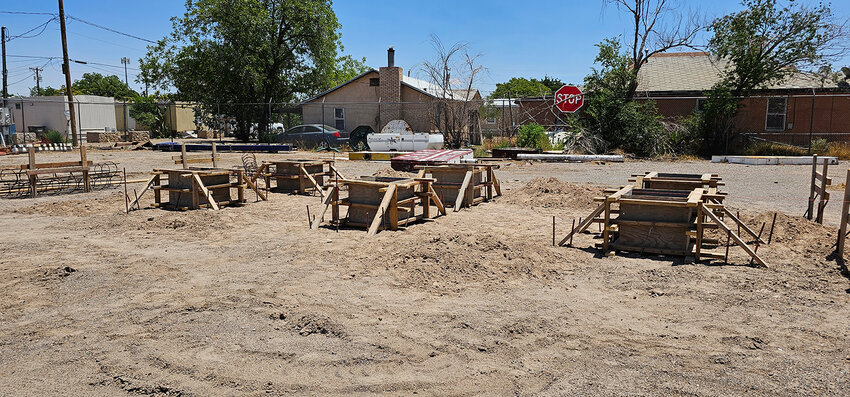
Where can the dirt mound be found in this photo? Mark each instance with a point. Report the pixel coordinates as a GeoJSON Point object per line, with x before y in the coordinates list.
{"type": "Point", "coordinates": [788, 228]}
{"type": "Point", "coordinates": [57, 273]}
{"type": "Point", "coordinates": [391, 173]}
{"type": "Point", "coordinates": [450, 260]}
{"type": "Point", "coordinates": [554, 193]}
{"type": "Point", "coordinates": [81, 208]}
{"type": "Point", "coordinates": [310, 324]}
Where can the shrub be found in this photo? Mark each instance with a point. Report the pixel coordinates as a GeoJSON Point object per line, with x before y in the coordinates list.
{"type": "Point", "coordinates": [838, 149]}
{"type": "Point", "coordinates": [819, 146]}
{"type": "Point", "coordinates": [533, 135]}
{"type": "Point", "coordinates": [54, 136]}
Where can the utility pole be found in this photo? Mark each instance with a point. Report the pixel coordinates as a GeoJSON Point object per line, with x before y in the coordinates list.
{"type": "Point", "coordinates": [37, 80]}
{"type": "Point", "coordinates": [66, 68]}
{"type": "Point", "coordinates": [5, 72]}
{"type": "Point", "coordinates": [125, 61]}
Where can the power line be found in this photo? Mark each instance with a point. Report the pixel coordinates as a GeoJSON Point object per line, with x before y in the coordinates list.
{"type": "Point", "coordinates": [27, 13]}
{"type": "Point", "coordinates": [109, 29]}
{"type": "Point", "coordinates": [43, 27]}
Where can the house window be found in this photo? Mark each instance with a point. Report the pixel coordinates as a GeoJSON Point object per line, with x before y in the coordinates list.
{"type": "Point", "coordinates": [374, 82]}
{"type": "Point", "coordinates": [701, 105]}
{"type": "Point", "coordinates": [339, 118]}
{"type": "Point", "coordinates": [775, 119]}
{"type": "Point", "coordinates": [491, 120]}
{"type": "Point", "coordinates": [18, 106]}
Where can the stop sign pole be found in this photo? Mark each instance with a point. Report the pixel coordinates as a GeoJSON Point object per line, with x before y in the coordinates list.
{"type": "Point", "coordinates": [569, 99]}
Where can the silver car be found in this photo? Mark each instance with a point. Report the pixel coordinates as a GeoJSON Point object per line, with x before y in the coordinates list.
{"type": "Point", "coordinates": [310, 135]}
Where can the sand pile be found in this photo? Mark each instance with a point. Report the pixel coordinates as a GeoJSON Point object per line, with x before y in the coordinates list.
{"type": "Point", "coordinates": [73, 207]}
{"type": "Point", "coordinates": [554, 193]}
{"type": "Point", "coordinates": [391, 173]}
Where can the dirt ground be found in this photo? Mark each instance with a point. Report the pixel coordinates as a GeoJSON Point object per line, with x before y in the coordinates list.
{"type": "Point", "coordinates": [249, 301]}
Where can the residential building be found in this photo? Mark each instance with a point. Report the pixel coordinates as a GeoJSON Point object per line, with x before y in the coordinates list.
{"type": "Point", "coordinates": [788, 111]}
{"type": "Point", "coordinates": [377, 97]}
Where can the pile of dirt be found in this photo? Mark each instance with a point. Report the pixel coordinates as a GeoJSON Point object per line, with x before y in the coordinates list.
{"type": "Point", "coordinates": [447, 261]}
{"type": "Point", "coordinates": [391, 173]}
{"type": "Point", "coordinates": [310, 324]}
{"type": "Point", "coordinates": [80, 208]}
{"type": "Point", "coordinates": [554, 193]}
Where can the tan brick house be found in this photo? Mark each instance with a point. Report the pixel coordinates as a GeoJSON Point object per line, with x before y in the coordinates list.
{"type": "Point", "coordinates": [377, 97]}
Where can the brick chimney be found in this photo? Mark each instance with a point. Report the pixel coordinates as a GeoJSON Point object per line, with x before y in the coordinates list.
{"type": "Point", "coordinates": [390, 90]}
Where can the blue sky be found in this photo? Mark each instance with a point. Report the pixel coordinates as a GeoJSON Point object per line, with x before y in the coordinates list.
{"type": "Point", "coordinates": [531, 38]}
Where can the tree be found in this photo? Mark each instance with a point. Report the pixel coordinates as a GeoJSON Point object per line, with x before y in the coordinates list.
{"type": "Point", "coordinates": [98, 84]}
{"type": "Point", "coordinates": [552, 83]}
{"type": "Point", "coordinates": [766, 43]}
{"type": "Point", "coordinates": [148, 112]}
{"type": "Point", "coordinates": [228, 54]}
{"type": "Point", "coordinates": [345, 68]}
{"type": "Point", "coordinates": [47, 91]}
{"type": "Point", "coordinates": [658, 27]}
{"type": "Point", "coordinates": [634, 126]}
{"type": "Point", "coordinates": [519, 87]}
{"type": "Point", "coordinates": [456, 104]}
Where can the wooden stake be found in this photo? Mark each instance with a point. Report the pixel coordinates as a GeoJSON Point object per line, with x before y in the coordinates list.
{"type": "Point", "coordinates": [126, 197]}
{"type": "Point", "coordinates": [553, 231]}
{"type": "Point", "coordinates": [726, 257]}
{"type": "Point", "coordinates": [772, 223]}
{"type": "Point", "coordinates": [309, 219]}
{"type": "Point", "coordinates": [573, 229]}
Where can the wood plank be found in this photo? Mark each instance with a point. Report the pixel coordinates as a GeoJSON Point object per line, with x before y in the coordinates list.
{"type": "Point", "coordinates": [734, 236]}
{"type": "Point", "coordinates": [584, 224]}
{"type": "Point", "coordinates": [385, 204]}
{"type": "Point", "coordinates": [325, 204]}
{"type": "Point", "coordinates": [254, 187]}
{"type": "Point", "coordinates": [467, 178]}
{"type": "Point", "coordinates": [743, 226]}
{"type": "Point", "coordinates": [436, 199]}
{"type": "Point", "coordinates": [147, 186]}
{"type": "Point", "coordinates": [183, 157]}
{"type": "Point", "coordinates": [207, 195]}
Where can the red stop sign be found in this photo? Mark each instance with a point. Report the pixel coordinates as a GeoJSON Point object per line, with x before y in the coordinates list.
{"type": "Point", "coordinates": [568, 99]}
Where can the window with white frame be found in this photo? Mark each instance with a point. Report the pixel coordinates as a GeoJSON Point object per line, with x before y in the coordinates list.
{"type": "Point", "coordinates": [776, 110]}
{"type": "Point", "coordinates": [339, 118]}
{"type": "Point", "coordinates": [490, 120]}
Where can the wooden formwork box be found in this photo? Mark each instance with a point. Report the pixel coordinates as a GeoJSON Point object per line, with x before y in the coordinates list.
{"type": "Point", "coordinates": [299, 176]}
{"type": "Point", "coordinates": [667, 222]}
{"type": "Point", "coordinates": [462, 185]}
{"type": "Point", "coordinates": [195, 188]}
{"type": "Point", "coordinates": [379, 203]}
{"type": "Point", "coordinates": [675, 181]}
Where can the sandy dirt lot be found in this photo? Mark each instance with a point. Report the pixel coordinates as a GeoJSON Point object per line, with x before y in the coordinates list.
{"type": "Point", "coordinates": [249, 301]}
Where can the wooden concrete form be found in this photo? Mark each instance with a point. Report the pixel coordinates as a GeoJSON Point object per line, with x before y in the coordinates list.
{"type": "Point", "coordinates": [463, 185]}
{"type": "Point", "coordinates": [817, 190]}
{"type": "Point", "coordinates": [845, 218]}
{"type": "Point", "coordinates": [186, 159]}
{"type": "Point", "coordinates": [663, 221]}
{"type": "Point", "coordinates": [299, 176]}
{"type": "Point", "coordinates": [380, 203]}
{"type": "Point", "coordinates": [196, 188]}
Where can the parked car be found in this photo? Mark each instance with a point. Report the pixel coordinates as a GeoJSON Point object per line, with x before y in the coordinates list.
{"type": "Point", "coordinates": [313, 135]}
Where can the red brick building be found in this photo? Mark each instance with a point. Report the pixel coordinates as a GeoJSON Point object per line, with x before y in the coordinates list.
{"type": "Point", "coordinates": [781, 112]}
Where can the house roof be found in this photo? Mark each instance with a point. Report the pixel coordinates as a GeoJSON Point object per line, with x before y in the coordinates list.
{"type": "Point", "coordinates": [699, 71]}
{"type": "Point", "coordinates": [422, 86]}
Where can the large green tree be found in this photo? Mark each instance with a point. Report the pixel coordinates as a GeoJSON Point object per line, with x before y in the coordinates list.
{"type": "Point", "coordinates": [236, 57]}
{"type": "Point", "coordinates": [519, 87]}
{"type": "Point", "coordinates": [98, 84]}
{"type": "Point", "coordinates": [47, 91]}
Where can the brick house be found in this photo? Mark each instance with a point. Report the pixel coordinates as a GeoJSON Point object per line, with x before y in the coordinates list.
{"type": "Point", "coordinates": [781, 112]}
{"type": "Point", "coordinates": [377, 97]}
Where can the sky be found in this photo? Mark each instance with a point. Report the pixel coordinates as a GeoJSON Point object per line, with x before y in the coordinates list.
{"type": "Point", "coordinates": [532, 38]}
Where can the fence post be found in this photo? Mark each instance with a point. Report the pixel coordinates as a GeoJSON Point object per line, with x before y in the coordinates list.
{"type": "Point", "coordinates": [842, 230]}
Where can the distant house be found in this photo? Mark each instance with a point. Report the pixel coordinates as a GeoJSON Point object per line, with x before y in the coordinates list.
{"type": "Point", "coordinates": [782, 112]}
{"type": "Point", "coordinates": [377, 97]}
{"type": "Point", "coordinates": [93, 114]}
